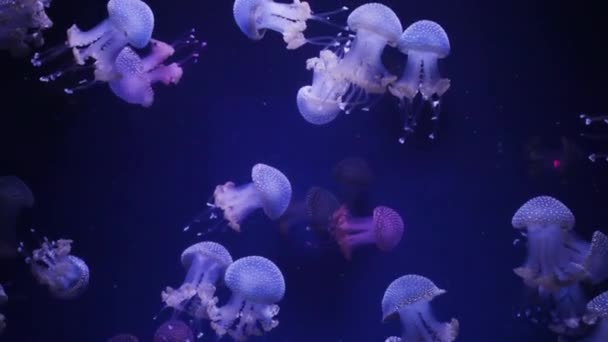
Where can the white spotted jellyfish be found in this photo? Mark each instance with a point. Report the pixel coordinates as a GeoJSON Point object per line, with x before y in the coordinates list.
{"type": "Point", "coordinates": [424, 42]}
{"type": "Point", "coordinates": [409, 298]}
{"type": "Point", "coordinates": [257, 285]}
{"type": "Point", "coordinates": [205, 263]}
{"type": "Point", "coordinates": [15, 196]}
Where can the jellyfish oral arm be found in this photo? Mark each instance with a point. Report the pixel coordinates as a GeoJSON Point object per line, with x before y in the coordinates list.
{"type": "Point", "coordinates": [237, 202]}
{"type": "Point", "coordinates": [223, 318]}
{"type": "Point", "coordinates": [287, 19]}
{"type": "Point", "coordinates": [419, 323]}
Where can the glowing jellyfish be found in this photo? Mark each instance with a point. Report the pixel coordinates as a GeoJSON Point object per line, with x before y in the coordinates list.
{"type": "Point", "coordinates": [257, 285]}
{"type": "Point", "coordinates": [384, 229]}
{"type": "Point", "coordinates": [424, 42]}
{"type": "Point", "coordinates": [555, 254]}
{"type": "Point", "coordinates": [590, 120]}
{"type": "Point", "coordinates": [254, 17]}
{"type": "Point", "coordinates": [597, 314]}
{"type": "Point", "coordinates": [15, 196]}
{"type": "Point", "coordinates": [206, 263]}
{"type": "Point", "coordinates": [52, 265]}
{"type": "Point", "coordinates": [21, 25]}
{"type": "Point", "coordinates": [123, 338]}
{"type": "Point", "coordinates": [409, 298]}
{"type": "Point", "coordinates": [269, 190]}
{"type": "Point", "coordinates": [174, 331]}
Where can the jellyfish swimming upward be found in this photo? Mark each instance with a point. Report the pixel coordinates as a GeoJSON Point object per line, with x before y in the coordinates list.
{"type": "Point", "coordinates": [424, 42]}
{"type": "Point", "coordinates": [21, 25]}
{"type": "Point", "coordinates": [257, 284]}
{"type": "Point", "coordinates": [409, 298]}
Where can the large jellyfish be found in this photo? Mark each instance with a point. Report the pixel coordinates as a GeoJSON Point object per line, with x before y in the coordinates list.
{"type": "Point", "coordinates": [66, 275]}
{"type": "Point", "coordinates": [15, 196]}
{"type": "Point", "coordinates": [129, 22]}
{"type": "Point", "coordinates": [424, 42]}
{"type": "Point", "coordinates": [257, 285]}
{"type": "Point", "coordinates": [206, 263]}
{"type": "Point", "coordinates": [173, 331]}
{"type": "Point", "coordinates": [597, 314]}
{"type": "Point", "coordinates": [254, 17]}
{"type": "Point", "coordinates": [409, 298]}
{"type": "Point", "coordinates": [384, 229]}
{"type": "Point", "coordinates": [269, 190]}
{"type": "Point", "coordinates": [590, 120]}
{"type": "Point", "coordinates": [21, 25]}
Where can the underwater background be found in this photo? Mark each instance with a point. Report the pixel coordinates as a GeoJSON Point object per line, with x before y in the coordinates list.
{"type": "Point", "coordinates": [122, 181]}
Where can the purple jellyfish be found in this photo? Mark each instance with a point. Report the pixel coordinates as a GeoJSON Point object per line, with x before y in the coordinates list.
{"type": "Point", "coordinates": [174, 331]}
{"type": "Point", "coordinates": [21, 25]}
{"type": "Point", "coordinates": [409, 298]}
{"type": "Point", "coordinates": [384, 229]}
{"type": "Point", "coordinates": [123, 338]}
{"type": "Point", "coordinates": [424, 42]}
{"type": "Point", "coordinates": [206, 263]}
{"type": "Point", "coordinates": [52, 265]}
{"type": "Point", "coordinates": [597, 314]}
{"type": "Point", "coordinates": [256, 284]}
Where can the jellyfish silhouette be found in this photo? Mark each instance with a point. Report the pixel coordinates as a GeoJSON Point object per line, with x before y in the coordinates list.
{"type": "Point", "coordinates": [591, 120]}
{"type": "Point", "coordinates": [21, 25]}
{"type": "Point", "coordinates": [205, 263]}
{"type": "Point", "coordinates": [354, 177]}
{"type": "Point", "coordinates": [597, 314]}
{"type": "Point", "coordinates": [173, 331]}
{"type": "Point", "coordinates": [257, 285]}
{"type": "Point", "coordinates": [409, 298]}
{"type": "Point", "coordinates": [14, 197]}
{"type": "Point", "coordinates": [424, 42]}
{"type": "Point", "coordinates": [123, 338]}
{"type": "Point", "coordinates": [66, 275]}
{"type": "Point", "coordinates": [384, 229]}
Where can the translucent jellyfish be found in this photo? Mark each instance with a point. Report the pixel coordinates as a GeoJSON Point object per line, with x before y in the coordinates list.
{"type": "Point", "coordinates": [15, 196]}
{"type": "Point", "coordinates": [384, 229]}
{"type": "Point", "coordinates": [597, 314]}
{"type": "Point", "coordinates": [21, 25]}
{"type": "Point", "coordinates": [52, 265]}
{"type": "Point", "coordinates": [409, 298]}
{"type": "Point", "coordinates": [257, 285]}
{"type": "Point", "coordinates": [173, 331]}
{"type": "Point", "coordinates": [254, 17]}
{"type": "Point", "coordinates": [269, 190]}
{"type": "Point", "coordinates": [590, 120]}
{"type": "Point", "coordinates": [206, 263]}
{"type": "Point", "coordinates": [555, 254]}
{"type": "Point", "coordinates": [424, 42]}
{"type": "Point", "coordinates": [123, 338]}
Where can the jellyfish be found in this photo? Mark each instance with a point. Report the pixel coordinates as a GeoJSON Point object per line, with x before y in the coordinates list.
{"type": "Point", "coordinates": [355, 177]}
{"type": "Point", "coordinates": [384, 229]}
{"type": "Point", "coordinates": [66, 275]}
{"type": "Point", "coordinates": [206, 263]}
{"type": "Point", "coordinates": [129, 22]}
{"type": "Point", "coordinates": [555, 255]}
{"type": "Point", "coordinates": [254, 17]}
{"type": "Point", "coordinates": [320, 206]}
{"type": "Point", "coordinates": [256, 284]}
{"type": "Point", "coordinates": [15, 196]}
{"type": "Point", "coordinates": [173, 331]}
{"type": "Point", "coordinates": [21, 25]}
{"type": "Point", "coordinates": [123, 338]}
{"type": "Point", "coordinates": [597, 314]}
{"type": "Point", "coordinates": [409, 298]}
{"type": "Point", "coordinates": [424, 42]}
{"type": "Point", "coordinates": [269, 190]}
{"type": "Point", "coordinates": [590, 120]}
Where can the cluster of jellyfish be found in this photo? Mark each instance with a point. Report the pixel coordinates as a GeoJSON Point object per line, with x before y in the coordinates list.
{"type": "Point", "coordinates": [52, 263]}
{"type": "Point", "coordinates": [559, 263]}
{"type": "Point", "coordinates": [593, 120]}
{"type": "Point", "coordinates": [112, 52]}
{"type": "Point", "coordinates": [255, 283]}
{"type": "Point", "coordinates": [348, 74]}
{"type": "Point", "coordinates": [21, 25]}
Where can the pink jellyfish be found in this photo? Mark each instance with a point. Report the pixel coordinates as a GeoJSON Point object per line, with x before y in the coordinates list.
{"type": "Point", "coordinates": [15, 196]}
{"type": "Point", "coordinates": [384, 229]}
{"type": "Point", "coordinates": [123, 338]}
{"type": "Point", "coordinates": [52, 265]}
{"type": "Point", "coordinates": [257, 284]}
{"type": "Point", "coordinates": [597, 315]}
{"type": "Point", "coordinates": [173, 331]}
{"type": "Point", "coordinates": [21, 25]}
{"type": "Point", "coordinates": [409, 298]}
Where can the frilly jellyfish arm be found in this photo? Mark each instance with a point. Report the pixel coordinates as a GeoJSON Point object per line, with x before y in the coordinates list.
{"type": "Point", "coordinates": [419, 324]}
{"type": "Point", "coordinates": [159, 52]}
{"type": "Point", "coordinates": [236, 202]}
{"type": "Point", "coordinates": [223, 318]}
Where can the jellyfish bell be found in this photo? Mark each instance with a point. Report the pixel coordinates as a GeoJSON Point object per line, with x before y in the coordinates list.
{"type": "Point", "coordinates": [597, 315]}
{"type": "Point", "coordinates": [257, 284]}
{"type": "Point", "coordinates": [409, 298]}
{"type": "Point", "coordinates": [596, 261]}
{"type": "Point", "coordinates": [174, 331]}
{"type": "Point", "coordinates": [424, 42]}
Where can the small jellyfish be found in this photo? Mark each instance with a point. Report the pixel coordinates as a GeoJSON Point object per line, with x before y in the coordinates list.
{"type": "Point", "coordinates": [597, 314]}
{"type": "Point", "coordinates": [21, 25]}
{"type": "Point", "coordinates": [256, 284]}
{"type": "Point", "coordinates": [174, 331]}
{"type": "Point", "coordinates": [590, 120]}
{"type": "Point", "coordinates": [555, 254]}
{"type": "Point", "coordinates": [424, 42]}
{"type": "Point", "coordinates": [206, 263]}
{"type": "Point", "coordinates": [123, 338]}
{"type": "Point", "coordinates": [15, 196]}
{"type": "Point", "coordinates": [254, 17]}
{"type": "Point", "coordinates": [384, 229]}
{"type": "Point", "coordinates": [409, 298]}
{"type": "Point", "coordinates": [66, 275]}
